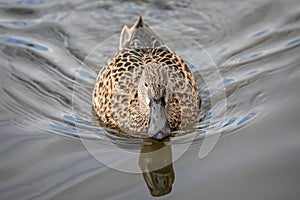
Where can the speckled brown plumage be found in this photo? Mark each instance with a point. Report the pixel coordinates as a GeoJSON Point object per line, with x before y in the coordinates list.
{"type": "Point", "coordinates": [116, 95]}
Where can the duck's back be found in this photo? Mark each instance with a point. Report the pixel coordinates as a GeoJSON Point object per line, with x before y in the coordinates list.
{"type": "Point", "coordinates": [115, 96]}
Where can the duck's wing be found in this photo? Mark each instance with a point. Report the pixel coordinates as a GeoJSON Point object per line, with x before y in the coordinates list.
{"type": "Point", "coordinates": [139, 36]}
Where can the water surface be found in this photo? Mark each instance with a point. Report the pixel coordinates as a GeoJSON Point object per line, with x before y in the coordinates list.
{"type": "Point", "coordinates": [47, 76]}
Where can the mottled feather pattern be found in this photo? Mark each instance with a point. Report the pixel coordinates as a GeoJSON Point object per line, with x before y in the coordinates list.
{"type": "Point", "coordinates": [115, 96]}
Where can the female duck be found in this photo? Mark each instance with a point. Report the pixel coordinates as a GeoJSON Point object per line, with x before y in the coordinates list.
{"type": "Point", "coordinates": [146, 87]}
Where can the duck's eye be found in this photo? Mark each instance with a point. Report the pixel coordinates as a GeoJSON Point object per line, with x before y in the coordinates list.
{"type": "Point", "coordinates": [146, 85]}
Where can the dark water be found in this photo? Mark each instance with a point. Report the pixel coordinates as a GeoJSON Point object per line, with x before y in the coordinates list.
{"type": "Point", "coordinates": [51, 146]}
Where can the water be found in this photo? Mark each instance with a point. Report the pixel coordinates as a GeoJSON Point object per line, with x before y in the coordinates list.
{"type": "Point", "coordinates": [49, 66]}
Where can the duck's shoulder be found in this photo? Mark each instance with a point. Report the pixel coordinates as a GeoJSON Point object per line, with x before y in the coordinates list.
{"type": "Point", "coordinates": [186, 101]}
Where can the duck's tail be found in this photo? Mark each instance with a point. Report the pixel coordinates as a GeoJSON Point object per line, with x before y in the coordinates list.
{"type": "Point", "coordinates": [139, 24]}
{"type": "Point", "coordinates": [138, 36]}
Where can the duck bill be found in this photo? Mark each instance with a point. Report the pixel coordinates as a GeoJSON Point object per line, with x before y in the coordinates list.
{"type": "Point", "coordinates": [158, 125]}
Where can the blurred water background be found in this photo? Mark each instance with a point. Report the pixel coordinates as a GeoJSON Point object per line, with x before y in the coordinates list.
{"type": "Point", "coordinates": [48, 72]}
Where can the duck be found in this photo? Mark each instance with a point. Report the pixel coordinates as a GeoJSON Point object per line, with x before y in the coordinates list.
{"type": "Point", "coordinates": [146, 88]}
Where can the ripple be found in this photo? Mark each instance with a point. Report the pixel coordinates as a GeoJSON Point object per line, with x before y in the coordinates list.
{"type": "Point", "coordinates": [15, 23]}
{"type": "Point", "coordinates": [246, 118]}
{"type": "Point", "coordinates": [24, 43]}
{"type": "Point", "coordinates": [293, 42]}
{"type": "Point", "coordinates": [251, 57]}
{"type": "Point", "coordinates": [22, 2]}
{"type": "Point", "coordinates": [228, 80]}
{"type": "Point", "coordinates": [260, 33]}
{"type": "Point", "coordinates": [230, 121]}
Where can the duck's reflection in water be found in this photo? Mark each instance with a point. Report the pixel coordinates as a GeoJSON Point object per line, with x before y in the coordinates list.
{"type": "Point", "coordinates": [155, 162]}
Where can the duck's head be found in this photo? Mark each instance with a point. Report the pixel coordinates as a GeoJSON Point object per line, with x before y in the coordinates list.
{"type": "Point", "coordinates": [154, 92]}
